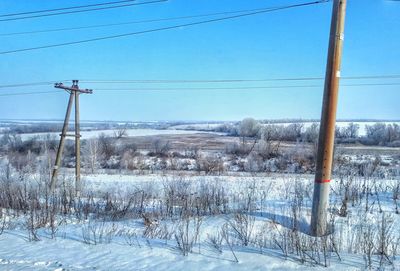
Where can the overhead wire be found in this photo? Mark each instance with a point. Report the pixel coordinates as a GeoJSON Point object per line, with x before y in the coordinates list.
{"type": "Point", "coordinates": [164, 28]}
{"type": "Point", "coordinates": [32, 84]}
{"type": "Point", "coordinates": [80, 11]}
{"type": "Point", "coordinates": [130, 22]}
{"type": "Point", "coordinates": [64, 8]}
{"type": "Point", "coordinates": [196, 81]}
{"type": "Point", "coordinates": [27, 93]}
{"type": "Point", "coordinates": [244, 87]}
{"type": "Point", "coordinates": [114, 90]}
{"type": "Point", "coordinates": [162, 81]}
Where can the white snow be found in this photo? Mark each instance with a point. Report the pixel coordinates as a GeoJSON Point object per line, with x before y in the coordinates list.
{"type": "Point", "coordinates": [68, 251]}
{"type": "Point", "coordinates": [130, 133]}
{"type": "Point", "coordinates": [197, 126]}
{"type": "Point", "coordinates": [69, 254]}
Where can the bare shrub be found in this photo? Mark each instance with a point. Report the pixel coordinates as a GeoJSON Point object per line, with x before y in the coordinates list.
{"type": "Point", "coordinates": [3, 221]}
{"type": "Point", "coordinates": [368, 243]}
{"type": "Point", "coordinates": [237, 149]}
{"type": "Point", "coordinates": [211, 199]}
{"type": "Point", "coordinates": [130, 237]}
{"type": "Point", "coordinates": [158, 230]}
{"type": "Point", "coordinates": [94, 232]}
{"type": "Point", "coordinates": [191, 152]}
{"type": "Point", "coordinates": [187, 234]}
{"type": "Point", "coordinates": [242, 227]}
{"type": "Point", "coordinates": [34, 220]}
{"type": "Point", "coordinates": [396, 196]}
{"type": "Point", "coordinates": [159, 148]}
{"type": "Point", "coordinates": [384, 239]}
{"type": "Point", "coordinates": [107, 147]}
{"type": "Point", "coordinates": [176, 196]}
{"type": "Point", "coordinates": [226, 236]}
{"type": "Point", "coordinates": [215, 241]}
{"type": "Point", "coordinates": [121, 132]}
{"type": "Point", "coordinates": [210, 164]}
{"type": "Point", "coordinates": [254, 163]}
{"type": "Point", "coordinates": [117, 207]}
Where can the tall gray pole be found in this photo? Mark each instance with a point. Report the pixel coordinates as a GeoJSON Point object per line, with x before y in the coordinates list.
{"type": "Point", "coordinates": [77, 147]}
{"type": "Point", "coordinates": [61, 144]}
{"type": "Point", "coordinates": [319, 225]}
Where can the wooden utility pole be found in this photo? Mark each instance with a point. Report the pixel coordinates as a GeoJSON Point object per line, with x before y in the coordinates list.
{"type": "Point", "coordinates": [74, 92]}
{"type": "Point", "coordinates": [77, 146]}
{"type": "Point", "coordinates": [319, 225]}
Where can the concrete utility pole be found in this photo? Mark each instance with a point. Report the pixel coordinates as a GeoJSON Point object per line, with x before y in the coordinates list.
{"type": "Point", "coordinates": [74, 92]}
{"type": "Point", "coordinates": [319, 225]}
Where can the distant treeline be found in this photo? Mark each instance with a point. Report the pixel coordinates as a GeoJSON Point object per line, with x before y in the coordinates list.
{"type": "Point", "coordinates": [273, 121]}
{"type": "Point", "coordinates": [381, 134]}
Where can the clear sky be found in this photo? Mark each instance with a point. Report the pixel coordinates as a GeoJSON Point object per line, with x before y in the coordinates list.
{"type": "Point", "coordinates": [284, 44]}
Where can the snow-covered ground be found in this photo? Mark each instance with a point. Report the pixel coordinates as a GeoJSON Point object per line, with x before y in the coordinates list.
{"type": "Point", "coordinates": [198, 126]}
{"type": "Point", "coordinates": [129, 132]}
{"type": "Point", "coordinates": [70, 253]}
{"type": "Point", "coordinates": [123, 246]}
{"type": "Point", "coordinates": [177, 129]}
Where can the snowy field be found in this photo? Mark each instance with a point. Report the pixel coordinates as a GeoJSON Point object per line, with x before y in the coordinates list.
{"type": "Point", "coordinates": [198, 126]}
{"type": "Point", "coordinates": [173, 130]}
{"type": "Point", "coordinates": [70, 254]}
{"type": "Point", "coordinates": [129, 132]}
{"type": "Point", "coordinates": [98, 242]}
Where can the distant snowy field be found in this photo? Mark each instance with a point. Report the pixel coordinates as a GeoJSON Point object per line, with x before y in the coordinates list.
{"type": "Point", "coordinates": [130, 133]}
{"type": "Point", "coordinates": [173, 130]}
{"type": "Point", "coordinates": [198, 126]}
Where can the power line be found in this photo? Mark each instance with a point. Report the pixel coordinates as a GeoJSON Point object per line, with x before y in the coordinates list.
{"type": "Point", "coordinates": [243, 87]}
{"type": "Point", "coordinates": [28, 93]}
{"type": "Point", "coordinates": [79, 11]}
{"type": "Point", "coordinates": [197, 81]}
{"type": "Point", "coordinates": [64, 8]}
{"type": "Point", "coordinates": [206, 88]}
{"type": "Point", "coordinates": [162, 28]}
{"type": "Point", "coordinates": [152, 81]}
{"type": "Point", "coordinates": [390, 76]}
{"type": "Point", "coordinates": [32, 84]}
{"type": "Point", "coordinates": [162, 81]}
{"type": "Point", "coordinates": [130, 22]}
{"type": "Point", "coordinates": [371, 84]}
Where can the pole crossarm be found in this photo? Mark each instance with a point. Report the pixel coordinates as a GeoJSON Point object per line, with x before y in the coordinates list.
{"type": "Point", "coordinates": [74, 87]}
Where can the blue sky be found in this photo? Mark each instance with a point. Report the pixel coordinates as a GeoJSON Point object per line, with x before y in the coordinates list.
{"type": "Point", "coordinates": [284, 44]}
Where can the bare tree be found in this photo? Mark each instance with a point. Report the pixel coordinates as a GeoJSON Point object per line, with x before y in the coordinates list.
{"type": "Point", "coordinates": [91, 153]}
{"type": "Point", "coordinates": [248, 127]}
{"type": "Point", "coordinates": [352, 130]}
{"type": "Point", "coordinates": [107, 146]}
{"type": "Point", "coordinates": [160, 147]}
{"type": "Point", "coordinates": [121, 132]}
